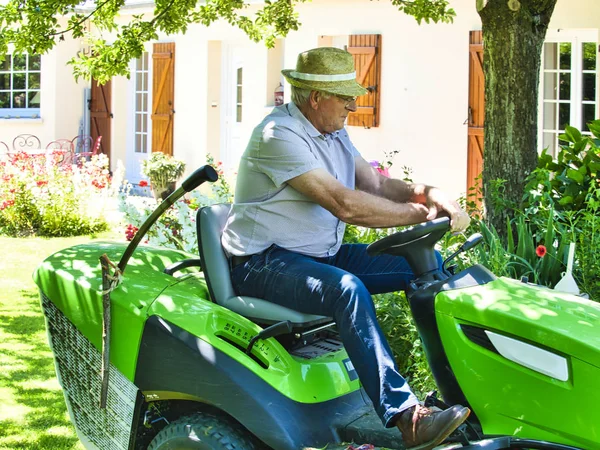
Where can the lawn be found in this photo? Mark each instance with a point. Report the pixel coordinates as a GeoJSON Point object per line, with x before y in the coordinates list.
{"type": "Point", "coordinates": [32, 409]}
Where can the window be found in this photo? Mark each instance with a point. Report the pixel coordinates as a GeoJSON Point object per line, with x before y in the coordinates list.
{"type": "Point", "coordinates": [141, 104]}
{"type": "Point", "coordinates": [568, 91]}
{"type": "Point", "coordinates": [238, 96]}
{"type": "Point", "coordinates": [20, 86]}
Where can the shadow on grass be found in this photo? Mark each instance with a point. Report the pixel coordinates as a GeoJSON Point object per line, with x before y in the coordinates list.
{"type": "Point", "coordinates": [39, 419]}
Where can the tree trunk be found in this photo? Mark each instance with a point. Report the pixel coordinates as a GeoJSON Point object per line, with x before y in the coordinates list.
{"type": "Point", "coordinates": [513, 35]}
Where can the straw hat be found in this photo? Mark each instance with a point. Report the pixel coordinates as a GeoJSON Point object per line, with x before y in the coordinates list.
{"type": "Point", "coordinates": [325, 69]}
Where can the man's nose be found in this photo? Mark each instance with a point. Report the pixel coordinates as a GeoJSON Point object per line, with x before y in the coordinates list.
{"type": "Point", "coordinates": [351, 106]}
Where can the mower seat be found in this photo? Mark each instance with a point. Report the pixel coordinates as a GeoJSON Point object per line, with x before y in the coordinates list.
{"type": "Point", "coordinates": [210, 222]}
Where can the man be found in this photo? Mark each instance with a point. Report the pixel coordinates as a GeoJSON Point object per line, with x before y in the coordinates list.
{"type": "Point", "coordinates": [299, 182]}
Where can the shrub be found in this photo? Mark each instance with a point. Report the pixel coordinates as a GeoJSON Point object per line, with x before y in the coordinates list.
{"type": "Point", "coordinates": [47, 199]}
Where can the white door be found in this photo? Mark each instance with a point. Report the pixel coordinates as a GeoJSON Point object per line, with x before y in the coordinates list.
{"type": "Point", "coordinates": [233, 95]}
{"type": "Point", "coordinates": [140, 138]}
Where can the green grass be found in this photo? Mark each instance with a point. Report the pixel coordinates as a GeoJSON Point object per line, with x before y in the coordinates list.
{"type": "Point", "coordinates": [33, 414]}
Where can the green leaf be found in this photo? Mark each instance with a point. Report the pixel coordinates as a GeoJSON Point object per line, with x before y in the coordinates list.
{"type": "Point", "coordinates": [567, 200]}
{"type": "Point", "coordinates": [572, 134]}
{"type": "Point", "coordinates": [575, 175]}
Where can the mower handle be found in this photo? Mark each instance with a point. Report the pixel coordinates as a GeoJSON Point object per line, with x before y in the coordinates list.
{"type": "Point", "coordinates": [204, 173]}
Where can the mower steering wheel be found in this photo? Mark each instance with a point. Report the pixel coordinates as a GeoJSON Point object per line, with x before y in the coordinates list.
{"type": "Point", "coordinates": [415, 244]}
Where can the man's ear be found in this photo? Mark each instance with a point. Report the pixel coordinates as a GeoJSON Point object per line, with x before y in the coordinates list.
{"type": "Point", "coordinates": [314, 99]}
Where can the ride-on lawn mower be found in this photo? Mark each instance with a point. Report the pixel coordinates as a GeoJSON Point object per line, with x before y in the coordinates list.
{"type": "Point", "coordinates": [193, 366]}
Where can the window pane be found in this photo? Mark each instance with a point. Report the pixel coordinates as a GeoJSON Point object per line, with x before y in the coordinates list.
{"type": "Point", "coordinates": [565, 86]}
{"type": "Point", "coordinates": [5, 65]}
{"type": "Point", "coordinates": [589, 113]}
{"type": "Point", "coordinates": [550, 52]}
{"type": "Point", "coordinates": [139, 81]}
{"type": "Point", "coordinates": [550, 86]}
{"type": "Point", "coordinates": [34, 81]}
{"type": "Point", "coordinates": [238, 116]}
{"type": "Point", "coordinates": [34, 99]}
{"type": "Point", "coordinates": [35, 62]}
{"type": "Point", "coordinates": [564, 115]}
{"type": "Point", "coordinates": [565, 56]}
{"type": "Point", "coordinates": [145, 123]}
{"type": "Point", "coordinates": [4, 81]}
{"type": "Point", "coordinates": [19, 62]}
{"type": "Point", "coordinates": [239, 76]}
{"type": "Point", "coordinates": [589, 87]}
{"type": "Point", "coordinates": [550, 116]}
{"type": "Point", "coordinates": [589, 55]}
{"type": "Point", "coordinates": [4, 99]}
{"type": "Point", "coordinates": [138, 102]}
{"type": "Point", "coordinates": [138, 143]}
{"type": "Point", "coordinates": [550, 143]}
{"type": "Point", "coordinates": [145, 55]}
{"type": "Point", "coordinates": [18, 100]}
{"type": "Point", "coordinates": [138, 123]}
{"type": "Point", "coordinates": [239, 95]}
{"type": "Point", "coordinates": [144, 102]}
{"type": "Point", "coordinates": [19, 80]}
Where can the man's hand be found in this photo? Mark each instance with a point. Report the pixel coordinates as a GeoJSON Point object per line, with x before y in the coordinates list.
{"type": "Point", "coordinates": [438, 202]}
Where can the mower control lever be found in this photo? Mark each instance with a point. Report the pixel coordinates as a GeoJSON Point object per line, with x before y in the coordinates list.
{"type": "Point", "coordinates": [471, 242]}
{"type": "Point", "coordinates": [277, 329]}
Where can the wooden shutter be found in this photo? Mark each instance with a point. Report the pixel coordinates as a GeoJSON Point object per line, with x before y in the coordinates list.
{"type": "Point", "coordinates": [100, 114]}
{"type": "Point", "coordinates": [366, 50]}
{"type": "Point", "coordinates": [163, 97]}
{"type": "Point", "coordinates": [475, 116]}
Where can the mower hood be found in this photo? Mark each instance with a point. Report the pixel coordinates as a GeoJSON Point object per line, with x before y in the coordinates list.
{"type": "Point", "coordinates": [565, 323]}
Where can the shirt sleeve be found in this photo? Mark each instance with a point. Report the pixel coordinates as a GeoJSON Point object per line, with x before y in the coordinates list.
{"type": "Point", "coordinates": [284, 154]}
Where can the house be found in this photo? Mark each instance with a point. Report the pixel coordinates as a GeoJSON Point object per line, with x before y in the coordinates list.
{"type": "Point", "coordinates": [204, 91]}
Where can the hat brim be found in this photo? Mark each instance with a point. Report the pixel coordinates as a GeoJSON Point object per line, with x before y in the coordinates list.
{"type": "Point", "coordinates": [349, 88]}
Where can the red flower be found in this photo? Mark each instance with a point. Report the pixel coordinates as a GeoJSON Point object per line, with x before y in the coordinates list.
{"type": "Point", "coordinates": [98, 184]}
{"type": "Point", "coordinates": [130, 232]}
{"type": "Point", "coordinates": [143, 183]}
{"type": "Point", "coordinates": [41, 183]}
{"type": "Point", "coordinates": [540, 251]}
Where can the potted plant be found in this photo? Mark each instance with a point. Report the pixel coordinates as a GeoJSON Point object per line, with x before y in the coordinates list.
{"type": "Point", "coordinates": [162, 171]}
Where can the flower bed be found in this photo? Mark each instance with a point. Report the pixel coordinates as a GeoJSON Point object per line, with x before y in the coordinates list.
{"type": "Point", "coordinates": [40, 197]}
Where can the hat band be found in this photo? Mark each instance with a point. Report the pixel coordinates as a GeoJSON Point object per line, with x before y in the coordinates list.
{"type": "Point", "coordinates": [319, 77]}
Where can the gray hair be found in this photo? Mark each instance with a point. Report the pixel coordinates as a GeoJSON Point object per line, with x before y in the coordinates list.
{"type": "Point", "coordinates": [300, 96]}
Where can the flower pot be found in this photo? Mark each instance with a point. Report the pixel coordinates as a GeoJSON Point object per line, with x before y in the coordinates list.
{"type": "Point", "coordinates": [162, 192]}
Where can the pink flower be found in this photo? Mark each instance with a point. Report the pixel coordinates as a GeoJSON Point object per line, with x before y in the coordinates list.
{"type": "Point", "coordinates": [143, 183]}
{"type": "Point", "coordinates": [540, 251]}
{"type": "Point", "coordinates": [382, 170]}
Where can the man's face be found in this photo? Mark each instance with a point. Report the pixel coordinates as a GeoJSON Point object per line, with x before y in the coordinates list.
{"type": "Point", "coordinates": [331, 113]}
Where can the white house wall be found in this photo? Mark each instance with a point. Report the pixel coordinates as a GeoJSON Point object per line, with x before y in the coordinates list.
{"type": "Point", "coordinates": [424, 85]}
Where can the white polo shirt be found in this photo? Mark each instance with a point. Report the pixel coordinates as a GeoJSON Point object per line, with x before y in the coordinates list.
{"type": "Point", "coordinates": [266, 209]}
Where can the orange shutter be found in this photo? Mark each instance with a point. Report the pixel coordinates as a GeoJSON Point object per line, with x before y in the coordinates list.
{"type": "Point", "coordinates": [366, 49]}
{"type": "Point", "coordinates": [475, 115]}
{"type": "Point", "coordinates": [163, 97]}
{"type": "Point", "coordinates": [100, 114]}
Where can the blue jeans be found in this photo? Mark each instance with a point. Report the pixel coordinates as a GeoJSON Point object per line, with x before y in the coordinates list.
{"type": "Point", "coordinates": [339, 286]}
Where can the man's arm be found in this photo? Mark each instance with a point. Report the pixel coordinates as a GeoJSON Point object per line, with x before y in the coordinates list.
{"type": "Point", "coordinates": [369, 179]}
{"type": "Point", "coordinates": [356, 207]}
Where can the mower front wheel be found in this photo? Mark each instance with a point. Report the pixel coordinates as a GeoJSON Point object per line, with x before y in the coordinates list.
{"type": "Point", "coordinates": [202, 432]}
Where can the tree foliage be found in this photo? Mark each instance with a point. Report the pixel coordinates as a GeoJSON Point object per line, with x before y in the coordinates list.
{"type": "Point", "coordinates": [35, 26]}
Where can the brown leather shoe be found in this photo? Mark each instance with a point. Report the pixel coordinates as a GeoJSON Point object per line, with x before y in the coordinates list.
{"type": "Point", "coordinates": [423, 429]}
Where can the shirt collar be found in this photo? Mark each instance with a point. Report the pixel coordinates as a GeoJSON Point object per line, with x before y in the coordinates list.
{"type": "Point", "coordinates": [309, 127]}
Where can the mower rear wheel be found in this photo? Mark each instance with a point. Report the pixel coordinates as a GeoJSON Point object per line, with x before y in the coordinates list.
{"type": "Point", "coordinates": [202, 432]}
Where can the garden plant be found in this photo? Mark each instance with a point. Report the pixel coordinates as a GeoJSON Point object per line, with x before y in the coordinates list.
{"type": "Point", "coordinates": [43, 197]}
